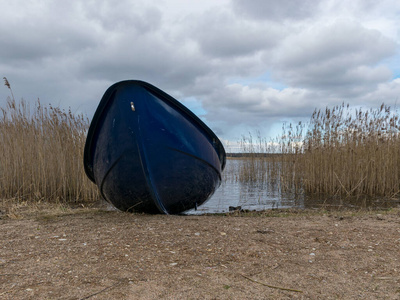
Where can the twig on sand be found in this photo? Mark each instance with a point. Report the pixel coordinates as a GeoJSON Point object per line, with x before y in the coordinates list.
{"type": "Point", "coordinates": [272, 286]}
{"type": "Point", "coordinates": [105, 289]}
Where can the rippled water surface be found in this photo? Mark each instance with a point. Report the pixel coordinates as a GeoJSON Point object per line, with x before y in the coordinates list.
{"type": "Point", "coordinates": [265, 195]}
{"type": "Point", "coordinates": [251, 196]}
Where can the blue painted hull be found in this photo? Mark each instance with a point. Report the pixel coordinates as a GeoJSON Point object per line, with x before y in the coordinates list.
{"type": "Point", "coordinates": [148, 153]}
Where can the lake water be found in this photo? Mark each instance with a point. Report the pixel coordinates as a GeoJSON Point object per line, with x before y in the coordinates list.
{"type": "Point", "coordinates": [262, 196]}
{"type": "Point", "coordinates": [250, 195]}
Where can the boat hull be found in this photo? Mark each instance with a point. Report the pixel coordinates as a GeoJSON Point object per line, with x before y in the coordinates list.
{"type": "Point", "coordinates": [148, 153]}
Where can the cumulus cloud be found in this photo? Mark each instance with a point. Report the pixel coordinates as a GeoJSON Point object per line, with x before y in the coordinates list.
{"type": "Point", "coordinates": [277, 10]}
{"type": "Point", "coordinates": [315, 53]}
{"type": "Point", "coordinates": [39, 35]}
{"type": "Point", "coordinates": [123, 16]}
{"type": "Point", "coordinates": [388, 92]}
{"type": "Point", "coordinates": [243, 104]}
{"type": "Point", "coordinates": [220, 34]}
{"type": "Point", "coordinates": [343, 53]}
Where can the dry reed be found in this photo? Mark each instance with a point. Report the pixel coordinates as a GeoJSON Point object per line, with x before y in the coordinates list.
{"type": "Point", "coordinates": [352, 153]}
{"type": "Point", "coordinates": [42, 154]}
{"type": "Point", "coordinates": [340, 152]}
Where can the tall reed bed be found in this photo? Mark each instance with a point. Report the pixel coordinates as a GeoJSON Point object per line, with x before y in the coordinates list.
{"type": "Point", "coordinates": [352, 153]}
{"type": "Point", "coordinates": [340, 152]}
{"type": "Point", "coordinates": [41, 154]}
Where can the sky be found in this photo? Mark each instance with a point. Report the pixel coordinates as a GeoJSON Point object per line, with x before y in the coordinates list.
{"type": "Point", "coordinates": [243, 66]}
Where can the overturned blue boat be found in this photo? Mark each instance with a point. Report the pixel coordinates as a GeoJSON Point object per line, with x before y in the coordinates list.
{"type": "Point", "coordinates": [148, 153]}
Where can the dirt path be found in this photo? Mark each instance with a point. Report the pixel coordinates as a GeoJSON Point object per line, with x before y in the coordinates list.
{"type": "Point", "coordinates": [92, 254]}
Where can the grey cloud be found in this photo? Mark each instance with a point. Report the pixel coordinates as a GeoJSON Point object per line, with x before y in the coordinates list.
{"type": "Point", "coordinates": [277, 10]}
{"type": "Point", "coordinates": [343, 39]}
{"type": "Point", "coordinates": [33, 34]}
{"type": "Point", "coordinates": [334, 57]}
{"type": "Point", "coordinates": [222, 34]}
{"type": "Point", "coordinates": [150, 58]}
{"type": "Point", "coordinates": [124, 15]}
{"type": "Point", "coordinates": [388, 92]}
{"type": "Point", "coordinates": [251, 105]}
{"type": "Point", "coordinates": [28, 43]}
{"type": "Point", "coordinates": [68, 54]}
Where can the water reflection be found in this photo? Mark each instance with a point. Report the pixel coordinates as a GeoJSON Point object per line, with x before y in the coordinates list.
{"type": "Point", "coordinates": [248, 195]}
{"type": "Point", "coordinates": [268, 195]}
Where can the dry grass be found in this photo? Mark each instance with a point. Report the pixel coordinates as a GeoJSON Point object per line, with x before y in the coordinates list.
{"type": "Point", "coordinates": [353, 154]}
{"type": "Point", "coordinates": [42, 154]}
{"type": "Point", "coordinates": [340, 152]}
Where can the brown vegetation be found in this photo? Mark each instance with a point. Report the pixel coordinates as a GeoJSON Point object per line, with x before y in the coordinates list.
{"type": "Point", "coordinates": [342, 152]}
{"type": "Point", "coordinates": [42, 154]}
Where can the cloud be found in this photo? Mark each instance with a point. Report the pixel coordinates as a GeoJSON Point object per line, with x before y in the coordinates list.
{"type": "Point", "coordinates": [342, 54]}
{"type": "Point", "coordinates": [221, 34]}
{"type": "Point", "coordinates": [243, 104]}
{"type": "Point", "coordinates": [276, 10]}
{"type": "Point", "coordinates": [213, 55]}
{"type": "Point", "coordinates": [123, 16]}
{"type": "Point", "coordinates": [34, 32]}
{"type": "Point", "coordinates": [349, 41]}
{"type": "Point", "coordinates": [388, 92]}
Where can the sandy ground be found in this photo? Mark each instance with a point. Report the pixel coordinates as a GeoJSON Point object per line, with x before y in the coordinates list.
{"type": "Point", "coordinates": [98, 254]}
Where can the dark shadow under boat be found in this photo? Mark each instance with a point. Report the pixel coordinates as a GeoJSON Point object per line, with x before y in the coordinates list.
{"type": "Point", "coordinates": [148, 153]}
